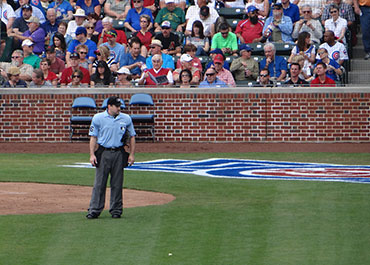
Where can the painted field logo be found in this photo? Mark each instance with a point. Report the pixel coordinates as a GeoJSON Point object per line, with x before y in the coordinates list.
{"type": "Point", "coordinates": [255, 169]}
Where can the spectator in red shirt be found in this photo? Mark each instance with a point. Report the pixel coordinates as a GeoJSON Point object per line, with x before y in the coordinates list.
{"type": "Point", "coordinates": [57, 65]}
{"type": "Point", "coordinates": [48, 75]}
{"type": "Point", "coordinates": [108, 26]}
{"type": "Point", "coordinates": [66, 77]}
{"type": "Point", "coordinates": [322, 80]}
{"type": "Point", "coordinates": [250, 29]}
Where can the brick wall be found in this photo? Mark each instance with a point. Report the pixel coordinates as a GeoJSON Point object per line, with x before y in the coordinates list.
{"type": "Point", "coordinates": [235, 115]}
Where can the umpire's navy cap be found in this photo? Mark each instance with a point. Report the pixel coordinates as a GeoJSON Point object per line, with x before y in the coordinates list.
{"type": "Point", "coordinates": [114, 101]}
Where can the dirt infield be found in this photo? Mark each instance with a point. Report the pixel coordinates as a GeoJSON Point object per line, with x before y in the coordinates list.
{"type": "Point", "coordinates": [192, 147]}
{"type": "Point", "coordinates": [36, 198]}
{"type": "Point", "coordinates": [33, 198]}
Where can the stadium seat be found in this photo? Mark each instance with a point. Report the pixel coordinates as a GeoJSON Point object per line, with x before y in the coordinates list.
{"type": "Point", "coordinates": [236, 13]}
{"type": "Point", "coordinates": [119, 24]}
{"type": "Point", "coordinates": [82, 111]}
{"type": "Point", "coordinates": [283, 48]}
{"type": "Point", "coordinates": [233, 22]}
{"type": "Point", "coordinates": [257, 48]}
{"type": "Point", "coordinates": [143, 122]}
{"type": "Point", "coordinates": [105, 105]}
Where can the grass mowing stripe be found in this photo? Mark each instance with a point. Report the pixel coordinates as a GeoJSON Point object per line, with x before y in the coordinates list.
{"type": "Point", "coordinates": [212, 221]}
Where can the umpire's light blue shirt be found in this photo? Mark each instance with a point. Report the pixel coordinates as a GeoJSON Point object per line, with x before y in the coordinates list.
{"type": "Point", "coordinates": [109, 130]}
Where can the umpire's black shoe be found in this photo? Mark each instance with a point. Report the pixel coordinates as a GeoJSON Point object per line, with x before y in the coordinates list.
{"type": "Point", "coordinates": [91, 216]}
{"type": "Point", "coordinates": [115, 216]}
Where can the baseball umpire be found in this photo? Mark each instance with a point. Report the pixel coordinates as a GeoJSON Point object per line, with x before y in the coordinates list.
{"type": "Point", "coordinates": [110, 131]}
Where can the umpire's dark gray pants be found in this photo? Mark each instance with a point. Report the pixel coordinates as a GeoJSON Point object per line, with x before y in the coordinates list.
{"type": "Point", "coordinates": [111, 163]}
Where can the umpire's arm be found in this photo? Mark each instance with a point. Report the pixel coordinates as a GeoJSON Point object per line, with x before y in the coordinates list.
{"type": "Point", "coordinates": [93, 140]}
{"type": "Point", "coordinates": [131, 158]}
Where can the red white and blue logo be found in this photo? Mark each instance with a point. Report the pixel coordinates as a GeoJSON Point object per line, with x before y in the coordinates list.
{"type": "Point", "coordinates": [255, 169]}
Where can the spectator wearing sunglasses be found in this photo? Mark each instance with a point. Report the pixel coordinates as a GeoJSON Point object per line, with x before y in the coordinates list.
{"type": "Point", "coordinates": [264, 79]}
{"type": "Point", "coordinates": [82, 50]}
{"type": "Point", "coordinates": [14, 78]}
{"type": "Point", "coordinates": [278, 27]}
{"type": "Point", "coordinates": [225, 40]}
{"type": "Point", "coordinates": [211, 79]}
{"type": "Point", "coordinates": [66, 77]}
{"type": "Point", "coordinates": [290, 10]}
{"type": "Point", "coordinates": [132, 21]}
{"type": "Point", "coordinates": [17, 60]}
{"type": "Point", "coordinates": [308, 24]}
{"type": "Point", "coordinates": [336, 24]}
{"type": "Point", "coordinates": [76, 79]}
{"type": "Point", "coordinates": [81, 38]}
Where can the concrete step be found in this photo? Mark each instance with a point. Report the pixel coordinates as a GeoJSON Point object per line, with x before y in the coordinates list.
{"type": "Point", "coordinates": [359, 77]}
{"type": "Point", "coordinates": [360, 65]}
{"type": "Point", "coordinates": [358, 52]}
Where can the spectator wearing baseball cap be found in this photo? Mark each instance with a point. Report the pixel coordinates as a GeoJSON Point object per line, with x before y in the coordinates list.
{"type": "Point", "coordinates": [123, 77]}
{"type": "Point", "coordinates": [170, 41]}
{"type": "Point", "coordinates": [107, 23]}
{"type": "Point", "coordinates": [245, 67]}
{"type": "Point", "coordinates": [156, 48]}
{"type": "Point", "coordinates": [213, 54]}
{"type": "Point", "coordinates": [34, 33]}
{"type": "Point", "coordinates": [66, 77]}
{"type": "Point", "coordinates": [56, 65]}
{"type": "Point", "coordinates": [34, 6]}
{"type": "Point", "coordinates": [250, 30]}
{"type": "Point", "coordinates": [14, 78]}
{"type": "Point", "coordinates": [117, 50]}
{"type": "Point", "coordinates": [222, 73]}
{"type": "Point", "coordinates": [186, 62]}
{"type": "Point", "coordinates": [29, 57]}
{"type": "Point", "coordinates": [81, 38]}
{"type": "Point", "coordinates": [20, 24]}
{"type": "Point", "coordinates": [170, 12]}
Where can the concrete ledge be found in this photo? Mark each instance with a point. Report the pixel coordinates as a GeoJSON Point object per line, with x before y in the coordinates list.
{"type": "Point", "coordinates": [174, 90]}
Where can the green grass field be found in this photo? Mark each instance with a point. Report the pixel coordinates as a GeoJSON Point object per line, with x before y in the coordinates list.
{"type": "Point", "coordinates": [212, 221]}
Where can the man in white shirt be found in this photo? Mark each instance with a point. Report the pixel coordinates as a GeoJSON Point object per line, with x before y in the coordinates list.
{"type": "Point", "coordinates": [337, 51]}
{"type": "Point", "coordinates": [204, 14]}
{"type": "Point", "coordinates": [36, 12]}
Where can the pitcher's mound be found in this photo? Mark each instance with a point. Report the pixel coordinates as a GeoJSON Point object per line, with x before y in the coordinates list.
{"type": "Point", "coordinates": [36, 198]}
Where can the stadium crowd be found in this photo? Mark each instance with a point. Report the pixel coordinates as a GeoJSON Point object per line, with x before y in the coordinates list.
{"type": "Point", "coordinates": [123, 43]}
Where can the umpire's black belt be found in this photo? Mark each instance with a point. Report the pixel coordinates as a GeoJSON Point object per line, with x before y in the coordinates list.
{"type": "Point", "coordinates": [113, 149]}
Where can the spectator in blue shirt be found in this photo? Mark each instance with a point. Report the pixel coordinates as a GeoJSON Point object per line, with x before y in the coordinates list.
{"type": "Point", "coordinates": [117, 51]}
{"type": "Point", "coordinates": [278, 27]}
{"type": "Point", "coordinates": [156, 48]}
{"type": "Point", "coordinates": [50, 26]}
{"type": "Point", "coordinates": [63, 8]}
{"type": "Point", "coordinates": [211, 79]}
{"type": "Point", "coordinates": [81, 38]}
{"type": "Point", "coordinates": [133, 60]}
{"type": "Point", "coordinates": [289, 9]}
{"type": "Point", "coordinates": [132, 21]}
{"type": "Point", "coordinates": [94, 6]}
{"type": "Point", "coordinates": [276, 65]}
